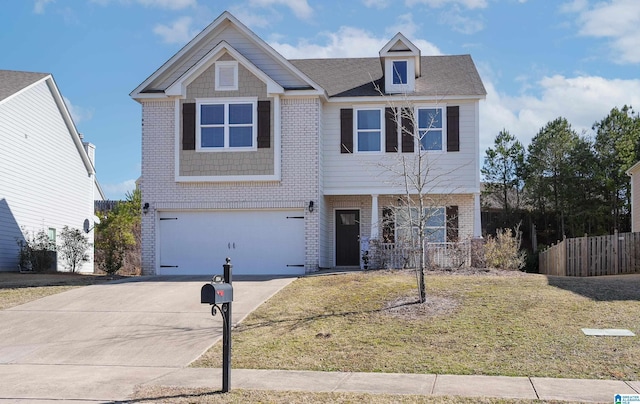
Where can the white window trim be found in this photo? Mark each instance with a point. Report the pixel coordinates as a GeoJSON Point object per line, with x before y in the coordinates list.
{"type": "Point", "coordinates": [409, 87]}
{"type": "Point", "coordinates": [226, 101]}
{"type": "Point", "coordinates": [355, 129]}
{"type": "Point", "coordinates": [226, 64]}
{"type": "Point", "coordinates": [443, 140]}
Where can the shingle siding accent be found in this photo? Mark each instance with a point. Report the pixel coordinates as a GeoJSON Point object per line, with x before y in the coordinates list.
{"type": "Point", "coordinates": [299, 183]}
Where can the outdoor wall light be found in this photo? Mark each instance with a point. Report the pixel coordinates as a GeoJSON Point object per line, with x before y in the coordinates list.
{"type": "Point", "coordinates": [145, 208]}
{"type": "Point", "coordinates": [310, 206]}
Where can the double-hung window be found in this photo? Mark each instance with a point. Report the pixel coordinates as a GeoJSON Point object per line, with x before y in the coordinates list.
{"type": "Point", "coordinates": [368, 125]}
{"type": "Point", "coordinates": [434, 224]}
{"type": "Point", "coordinates": [430, 128]}
{"type": "Point", "coordinates": [229, 125]}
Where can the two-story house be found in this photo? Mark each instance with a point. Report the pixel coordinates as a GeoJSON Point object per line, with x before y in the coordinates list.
{"type": "Point", "coordinates": [47, 173]}
{"type": "Point", "coordinates": [286, 166]}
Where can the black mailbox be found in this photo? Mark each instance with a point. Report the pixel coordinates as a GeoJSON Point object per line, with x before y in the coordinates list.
{"type": "Point", "coordinates": [216, 293]}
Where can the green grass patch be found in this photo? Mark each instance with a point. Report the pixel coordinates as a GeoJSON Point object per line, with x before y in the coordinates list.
{"type": "Point", "coordinates": [526, 325]}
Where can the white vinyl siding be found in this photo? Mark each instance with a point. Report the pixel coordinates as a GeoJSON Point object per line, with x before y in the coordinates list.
{"type": "Point", "coordinates": [43, 180]}
{"type": "Point", "coordinates": [361, 173]}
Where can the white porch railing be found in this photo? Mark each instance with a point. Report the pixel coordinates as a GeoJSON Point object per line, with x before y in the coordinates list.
{"type": "Point", "coordinates": [439, 255]}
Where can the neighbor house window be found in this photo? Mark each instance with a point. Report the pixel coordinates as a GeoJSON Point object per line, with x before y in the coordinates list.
{"type": "Point", "coordinates": [227, 125]}
{"type": "Point", "coordinates": [430, 128]}
{"type": "Point", "coordinates": [226, 76]}
{"type": "Point", "coordinates": [369, 130]}
{"type": "Point", "coordinates": [51, 233]}
{"type": "Point", "coordinates": [400, 72]}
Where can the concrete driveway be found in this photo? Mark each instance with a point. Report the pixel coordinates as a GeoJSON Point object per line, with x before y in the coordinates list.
{"type": "Point", "coordinates": [98, 342]}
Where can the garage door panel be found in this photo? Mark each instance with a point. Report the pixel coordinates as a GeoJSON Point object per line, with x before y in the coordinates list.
{"type": "Point", "coordinates": [258, 242]}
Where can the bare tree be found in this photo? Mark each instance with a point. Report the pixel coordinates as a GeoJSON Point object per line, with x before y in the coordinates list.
{"type": "Point", "coordinates": [426, 185]}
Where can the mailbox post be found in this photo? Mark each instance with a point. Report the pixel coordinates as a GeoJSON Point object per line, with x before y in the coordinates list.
{"type": "Point", "coordinates": [220, 295]}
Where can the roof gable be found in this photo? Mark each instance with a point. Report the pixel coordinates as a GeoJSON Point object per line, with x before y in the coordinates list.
{"type": "Point", "coordinates": [400, 46]}
{"type": "Point", "coordinates": [227, 31]}
{"type": "Point", "coordinates": [179, 87]}
{"type": "Point", "coordinates": [13, 83]}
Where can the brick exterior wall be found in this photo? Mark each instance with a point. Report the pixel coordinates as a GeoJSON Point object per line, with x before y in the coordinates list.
{"type": "Point", "coordinates": [299, 183]}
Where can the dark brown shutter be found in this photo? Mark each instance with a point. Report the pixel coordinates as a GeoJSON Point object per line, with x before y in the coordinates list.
{"type": "Point", "coordinates": [390, 130]}
{"type": "Point", "coordinates": [452, 223]}
{"type": "Point", "coordinates": [408, 139]}
{"type": "Point", "coordinates": [453, 128]}
{"type": "Point", "coordinates": [346, 130]}
{"type": "Point", "coordinates": [264, 124]}
{"type": "Point", "coordinates": [189, 126]}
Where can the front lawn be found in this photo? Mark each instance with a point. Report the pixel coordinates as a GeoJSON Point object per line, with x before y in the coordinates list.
{"type": "Point", "coordinates": [520, 325]}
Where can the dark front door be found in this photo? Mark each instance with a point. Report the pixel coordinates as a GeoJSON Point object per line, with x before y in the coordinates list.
{"type": "Point", "coordinates": [347, 238]}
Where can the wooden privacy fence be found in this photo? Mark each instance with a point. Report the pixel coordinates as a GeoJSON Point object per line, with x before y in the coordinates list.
{"type": "Point", "coordinates": [592, 256]}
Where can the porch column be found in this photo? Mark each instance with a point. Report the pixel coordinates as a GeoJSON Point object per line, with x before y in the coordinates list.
{"type": "Point", "coordinates": [477, 223]}
{"type": "Point", "coordinates": [375, 222]}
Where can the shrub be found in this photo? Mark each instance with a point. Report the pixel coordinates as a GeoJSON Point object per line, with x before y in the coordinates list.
{"type": "Point", "coordinates": [503, 250]}
{"type": "Point", "coordinates": [37, 251]}
{"type": "Point", "coordinates": [73, 248]}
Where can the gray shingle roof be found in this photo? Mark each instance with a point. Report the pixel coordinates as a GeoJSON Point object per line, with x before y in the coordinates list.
{"type": "Point", "coordinates": [13, 81]}
{"type": "Point", "coordinates": [355, 77]}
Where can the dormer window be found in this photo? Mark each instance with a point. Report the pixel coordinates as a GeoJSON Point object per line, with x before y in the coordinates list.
{"type": "Point", "coordinates": [401, 62]}
{"type": "Point", "coordinates": [399, 72]}
{"type": "Point", "coordinates": [400, 76]}
{"type": "Point", "coordinates": [226, 76]}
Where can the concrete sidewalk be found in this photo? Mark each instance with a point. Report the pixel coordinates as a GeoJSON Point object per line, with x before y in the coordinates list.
{"type": "Point", "coordinates": [599, 391]}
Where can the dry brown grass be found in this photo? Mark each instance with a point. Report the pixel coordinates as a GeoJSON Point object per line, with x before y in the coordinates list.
{"type": "Point", "coordinates": [180, 395]}
{"type": "Point", "coordinates": [523, 325]}
{"type": "Point", "coordinates": [19, 288]}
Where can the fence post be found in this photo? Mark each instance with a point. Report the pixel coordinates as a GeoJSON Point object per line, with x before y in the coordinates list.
{"type": "Point", "coordinates": [615, 245]}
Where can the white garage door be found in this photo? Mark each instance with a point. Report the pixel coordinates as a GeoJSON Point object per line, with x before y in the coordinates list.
{"type": "Point", "coordinates": [258, 242]}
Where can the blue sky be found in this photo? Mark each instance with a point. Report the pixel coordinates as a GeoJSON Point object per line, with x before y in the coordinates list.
{"type": "Point", "coordinates": [538, 59]}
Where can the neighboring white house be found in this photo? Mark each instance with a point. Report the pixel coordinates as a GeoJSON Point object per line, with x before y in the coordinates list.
{"type": "Point", "coordinates": [278, 164]}
{"type": "Point", "coordinates": [47, 175]}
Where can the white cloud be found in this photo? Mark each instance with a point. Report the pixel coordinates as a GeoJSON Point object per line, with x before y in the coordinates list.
{"type": "Point", "coordinates": [406, 25]}
{"type": "Point", "coordinates": [461, 23]}
{"type": "Point", "coordinates": [79, 114]}
{"type": "Point", "coordinates": [616, 20]}
{"type": "Point", "coordinates": [169, 4]}
{"type": "Point", "coordinates": [299, 7]}
{"type": "Point", "coordinates": [166, 4]}
{"type": "Point", "coordinates": [39, 5]}
{"type": "Point", "coordinates": [471, 4]}
{"type": "Point", "coordinates": [179, 31]}
{"type": "Point", "coordinates": [347, 42]}
{"type": "Point", "coordinates": [583, 100]}
{"type": "Point", "coordinates": [379, 4]}
{"type": "Point", "coordinates": [118, 191]}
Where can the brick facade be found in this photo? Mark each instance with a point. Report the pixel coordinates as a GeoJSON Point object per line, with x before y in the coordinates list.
{"type": "Point", "coordinates": [298, 185]}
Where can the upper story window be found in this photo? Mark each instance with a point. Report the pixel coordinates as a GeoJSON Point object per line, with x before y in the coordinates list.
{"type": "Point", "coordinates": [227, 125]}
{"type": "Point", "coordinates": [368, 129]}
{"type": "Point", "coordinates": [430, 128]}
{"type": "Point", "coordinates": [399, 76]}
{"type": "Point", "coordinates": [399, 72]}
{"type": "Point", "coordinates": [226, 76]}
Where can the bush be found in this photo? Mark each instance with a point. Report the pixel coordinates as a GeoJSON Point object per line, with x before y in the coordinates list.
{"type": "Point", "coordinates": [503, 250]}
{"type": "Point", "coordinates": [73, 248]}
{"type": "Point", "coordinates": [37, 252]}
